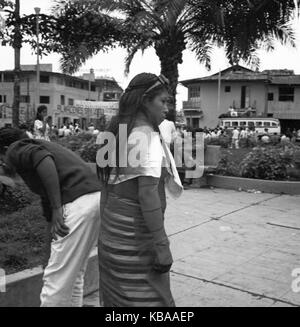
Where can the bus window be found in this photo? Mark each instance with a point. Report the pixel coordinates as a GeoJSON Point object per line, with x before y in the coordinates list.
{"type": "Point", "coordinates": [243, 123]}
{"type": "Point", "coordinates": [258, 124]}
{"type": "Point", "coordinates": [274, 125]}
{"type": "Point", "coordinates": [267, 124]}
{"type": "Point", "coordinates": [235, 123]}
{"type": "Point", "coordinates": [251, 124]}
{"type": "Point", "coordinates": [227, 123]}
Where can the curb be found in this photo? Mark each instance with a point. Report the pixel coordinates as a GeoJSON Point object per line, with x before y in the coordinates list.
{"type": "Point", "coordinates": [245, 184]}
{"type": "Point", "coordinates": [23, 288]}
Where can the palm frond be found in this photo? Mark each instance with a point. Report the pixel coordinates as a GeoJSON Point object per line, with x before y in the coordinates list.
{"type": "Point", "coordinates": [131, 53]}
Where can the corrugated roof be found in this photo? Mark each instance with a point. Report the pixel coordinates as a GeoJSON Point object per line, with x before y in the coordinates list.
{"type": "Point", "coordinates": [275, 76]}
{"type": "Point", "coordinates": [287, 80]}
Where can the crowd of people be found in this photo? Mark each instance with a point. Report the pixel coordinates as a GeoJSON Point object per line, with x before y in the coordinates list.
{"type": "Point", "coordinates": [43, 128]}
{"type": "Point", "coordinates": [246, 137]}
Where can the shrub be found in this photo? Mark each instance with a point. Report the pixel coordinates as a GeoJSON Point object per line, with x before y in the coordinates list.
{"type": "Point", "coordinates": [266, 163]}
{"type": "Point", "coordinates": [13, 199]}
{"type": "Point", "coordinates": [88, 152]}
{"type": "Point", "coordinates": [84, 144]}
{"type": "Point", "coordinates": [75, 142]}
{"type": "Point", "coordinates": [227, 166]}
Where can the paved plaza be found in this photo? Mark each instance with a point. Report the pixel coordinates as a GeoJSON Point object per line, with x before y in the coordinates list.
{"type": "Point", "coordinates": [232, 249]}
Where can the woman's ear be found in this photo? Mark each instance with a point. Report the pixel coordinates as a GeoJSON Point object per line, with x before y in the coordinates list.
{"type": "Point", "coordinates": [146, 101]}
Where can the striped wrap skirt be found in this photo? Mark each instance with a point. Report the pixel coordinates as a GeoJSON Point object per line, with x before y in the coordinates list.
{"type": "Point", "coordinates": [126, 258]}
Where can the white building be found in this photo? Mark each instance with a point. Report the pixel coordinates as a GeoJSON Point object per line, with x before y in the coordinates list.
{"type": "Point", "coordinates": [60, 93]}
{"type": "Point", "coordinates": [271, 93]}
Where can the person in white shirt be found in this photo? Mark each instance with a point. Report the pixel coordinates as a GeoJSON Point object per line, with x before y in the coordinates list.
{"type": "Point", "coordinates": [235, 138]}
{"type": "Point", "coordinates": [61, 132]}
{"type": "Point", "coordinates": [71, 128]}
{"type": "Point", "coordinates": [219, 132]}
{"type": "Point", "coordinates": [91, 128]}
{"type": "Point", "coordinates": [243, 133]}
{"type": "Point", "coordinates": [67, 132]}
{"type": "Point", "coordinates": [41, 129]}
{"type": "Point", "coordinates": [168, 131]}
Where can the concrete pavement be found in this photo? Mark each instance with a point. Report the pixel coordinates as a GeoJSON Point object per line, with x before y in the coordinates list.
{"type": "Point", "coordinates": [232, 249]}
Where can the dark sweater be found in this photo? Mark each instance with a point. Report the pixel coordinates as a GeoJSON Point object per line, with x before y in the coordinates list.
{"type": "Point", "coordinates": [75, 177]}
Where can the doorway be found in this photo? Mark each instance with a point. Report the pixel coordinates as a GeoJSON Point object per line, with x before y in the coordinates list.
{"type": "Point", "coordinates": [245, 97]}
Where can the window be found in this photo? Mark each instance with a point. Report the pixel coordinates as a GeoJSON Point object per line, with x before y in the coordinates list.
{"type": "Point", "coordinates": [286, 94]}
{"type": "Point", "coordinates": [227, 123]}
{"type": "Point", "coordinates": [9, 78]}
{"type": "Point", "coordinates": [71, 102]}
{"type": "Point", "coordinates": [25, 99]}
{"type": "Point", "coordinates": [44, 78]}
{"type": "Point", "coordinates": [235, 123]}
{"type": "Point", "coordinates": [194, 91]}
{"type": "Point", "coordinates": [270, 96]}
{"type": "Point", "coordinates": [60, 81]}
{"type": "Point", "coordinates": [62, 100]}
{"type": "Point", "coordinates": [274, 125]}
{"type": "Point", "coordinates": [44, 99]}
{"type": "Point", "coordinates": [93, 88]}
{"type": "Point", "coordinates": [259, 124]}
{"type": "Point", "coordinates": [2, 98]}
{"type": "Point", "coordinates": [267, 124]}
{"type": "Point", "coordinates": [227, 89]}
{"type": "Point", "coordinates": [243, 123]}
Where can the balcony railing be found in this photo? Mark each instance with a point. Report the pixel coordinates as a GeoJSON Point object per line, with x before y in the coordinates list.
{"type": "Point", "coordinates": [188, 105]}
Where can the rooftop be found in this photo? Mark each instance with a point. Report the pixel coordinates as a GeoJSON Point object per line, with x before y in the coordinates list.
{"type": "Point", "coordinates": [238, 73]}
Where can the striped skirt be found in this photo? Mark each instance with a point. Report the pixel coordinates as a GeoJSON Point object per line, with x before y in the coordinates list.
{"type": "Point", "coordinates": [126, 259]}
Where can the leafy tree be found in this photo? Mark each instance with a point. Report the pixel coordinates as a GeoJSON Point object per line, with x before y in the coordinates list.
{"type": "Point", "coordinates": [78, 29]}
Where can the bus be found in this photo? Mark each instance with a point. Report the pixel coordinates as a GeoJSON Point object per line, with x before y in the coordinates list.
{"type": "Point", "coordinates": [260, 124]}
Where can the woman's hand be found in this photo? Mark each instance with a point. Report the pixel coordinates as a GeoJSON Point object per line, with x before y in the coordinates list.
{"type": "Point", "coordinates": [59, 228]}
{"type": "Point", "coordinates": [163, 258]}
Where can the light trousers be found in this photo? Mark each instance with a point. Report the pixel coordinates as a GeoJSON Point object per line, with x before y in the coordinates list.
{"type": "Point", "coordinates": [63, 278]}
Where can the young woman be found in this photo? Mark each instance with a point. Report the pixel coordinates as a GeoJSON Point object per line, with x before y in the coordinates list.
{"type": "Point", "coordinates": [41, 128]}
{"type": "Point", "coordinates": [134, 252]}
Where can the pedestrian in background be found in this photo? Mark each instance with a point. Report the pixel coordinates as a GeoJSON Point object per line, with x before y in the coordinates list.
{"type": "Point", "coordinates": [41, 129]}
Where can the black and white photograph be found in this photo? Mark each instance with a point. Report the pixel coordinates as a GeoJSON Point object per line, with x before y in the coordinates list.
{"type": "Point", "coordinates": [149, 156]}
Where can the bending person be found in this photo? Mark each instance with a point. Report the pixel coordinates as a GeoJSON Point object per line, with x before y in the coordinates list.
{"type": "Point", "coordinates": [70, 196]}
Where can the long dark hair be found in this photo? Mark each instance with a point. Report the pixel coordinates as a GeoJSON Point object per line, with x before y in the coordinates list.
{"type": "Point", "coordinates": [130, 105]}
{"type": "Point", "coordinates": [40, 109]}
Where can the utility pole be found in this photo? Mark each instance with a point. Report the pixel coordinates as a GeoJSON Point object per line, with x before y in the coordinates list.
{"type": "Point", "coordinates": [17, 45]}
{"type": "Point", "coordinates": [37, 101]}
{"type": "Point", "coordinates": [219, 91]}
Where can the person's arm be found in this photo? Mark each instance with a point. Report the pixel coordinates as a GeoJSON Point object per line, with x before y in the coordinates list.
{"type": "Point", "coordinates": [152, 212]}
{"type": "Point", "coordinates": [46, 170]}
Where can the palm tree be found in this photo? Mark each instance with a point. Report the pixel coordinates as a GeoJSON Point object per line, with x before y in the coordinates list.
{"type": "Point", "coordinates": [171, 26]}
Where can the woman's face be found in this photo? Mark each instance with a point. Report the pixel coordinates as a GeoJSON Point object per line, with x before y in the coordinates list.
{"type": "Point", "coordinates": [44, 113]}
{"type": "Point", "coordinates": [158, 106]}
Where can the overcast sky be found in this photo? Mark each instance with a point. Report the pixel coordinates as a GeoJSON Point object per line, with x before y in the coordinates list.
{"type": "Point", "coordinates": [112, 63]}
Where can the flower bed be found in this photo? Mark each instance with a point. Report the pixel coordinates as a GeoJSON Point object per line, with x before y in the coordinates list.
{"type": "Point", "coordinates": [266, 163]}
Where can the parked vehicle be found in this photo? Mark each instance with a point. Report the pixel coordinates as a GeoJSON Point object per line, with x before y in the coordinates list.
{"type": "Point", "coordinates": [260, 124]}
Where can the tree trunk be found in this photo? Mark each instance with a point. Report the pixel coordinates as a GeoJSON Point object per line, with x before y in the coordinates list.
{"type": "Point", "coordinates": [170, 52]}
{"type": "Point", "coordinates": [17, 44]}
